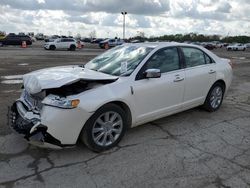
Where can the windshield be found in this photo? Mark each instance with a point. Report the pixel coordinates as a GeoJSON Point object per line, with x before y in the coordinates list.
{"type": "Point", "coordinates": [119, 61]}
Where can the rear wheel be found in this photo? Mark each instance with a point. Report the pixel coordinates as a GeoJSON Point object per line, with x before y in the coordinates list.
{"type": "Point", "coordinates": [105, 128]}
{"type": "Point", "coordinates": [214, 98]}
{"type": "Point", "coordinates": [72, 48]}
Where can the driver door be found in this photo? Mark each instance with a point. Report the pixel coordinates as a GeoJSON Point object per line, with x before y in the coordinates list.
{"type": "Point", "coordinates": [158, 97]}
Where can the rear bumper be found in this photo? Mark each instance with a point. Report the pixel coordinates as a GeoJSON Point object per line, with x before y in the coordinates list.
{"type": "Point", "coordinates": [29, 124]}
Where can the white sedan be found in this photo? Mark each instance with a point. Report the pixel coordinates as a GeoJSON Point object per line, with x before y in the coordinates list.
{"type": "Point", "coordinates": [236, 47]}
{"type": "Point", "coordinates": [124, 87]}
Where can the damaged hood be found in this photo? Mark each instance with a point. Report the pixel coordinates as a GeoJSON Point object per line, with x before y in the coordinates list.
{"type": "Point", "coordinates": [56, 77]}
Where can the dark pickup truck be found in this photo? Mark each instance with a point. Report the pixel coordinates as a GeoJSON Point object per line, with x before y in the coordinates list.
{"type": "Point", "coordinates": [13, 39]}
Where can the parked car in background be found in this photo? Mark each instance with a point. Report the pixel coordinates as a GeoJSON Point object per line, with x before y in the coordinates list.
{"type": "Point", "coordinates": [236, 47]}
{"type": "Point", "coordinates": [225, 44]}
{"type": "Point", "coordinates": [61, 43]}
{"type": "Point", "coordinates": [13, 39]}
{"type": "Point", "coordinates": [33, 39]}
{"type": "Point", "coordinates": [135, 41]}
{"type": "Point", "coordinates": [86, 40]}
{"type": "Point", "coordinates": [217, 44]}
{"type": "Point", "coordinates": [108, 43]}
{"type": "Point", "coordinates": [196, 43]}
{"type": "Point", "coordinates": [208, 46]}
{"type": "Point", "coordinates": [97, 40]}
{"type": "Point", "coordinates": [124, 87]}
{"type": "Point", "coordinates": [247, 45]}
{"type": "Point", "coordinates": [39, 36]}
{"type": "Point", "coordinates": [52, 38]}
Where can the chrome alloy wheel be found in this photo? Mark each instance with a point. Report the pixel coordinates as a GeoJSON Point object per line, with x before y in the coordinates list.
{"type": "Point", "coordinates": [216, 97]}
{"type": "Point", "coordinates": [107, 128]}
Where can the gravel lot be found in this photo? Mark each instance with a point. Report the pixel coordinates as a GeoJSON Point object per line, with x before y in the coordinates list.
{"type": "Point", "coordinates": [190, 149]}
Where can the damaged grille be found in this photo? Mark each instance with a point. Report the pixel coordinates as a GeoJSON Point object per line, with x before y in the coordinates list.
{"type": "Point", "coordinates": [33, 103]}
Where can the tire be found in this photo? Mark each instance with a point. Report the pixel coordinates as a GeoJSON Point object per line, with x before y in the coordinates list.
{"type": "Point", "coordinates": [106, 46]}
{"type": "Point", "coordinates": [72, 48]}
{"type": "Point", "coordinates": [52, 47]}
{"type": "Point", "coordinates": [97, 136]}
{"type": "Point", "coordinates": [212, 102]}
{"type": "Point", "coordinates": [244, 49]}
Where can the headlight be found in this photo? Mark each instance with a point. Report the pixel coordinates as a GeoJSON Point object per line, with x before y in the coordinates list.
{"type": "Point", "coordinates": [61, 102]}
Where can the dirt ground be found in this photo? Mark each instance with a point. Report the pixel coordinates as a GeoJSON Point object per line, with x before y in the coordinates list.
{"type": "Point", "coordinates": [190, 149]}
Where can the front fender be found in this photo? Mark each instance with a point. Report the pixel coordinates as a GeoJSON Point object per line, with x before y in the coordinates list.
{"type": "Point", "coordinates": [92, 100]}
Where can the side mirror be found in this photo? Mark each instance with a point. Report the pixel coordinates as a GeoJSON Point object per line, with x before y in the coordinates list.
{"type": "Point", "coordinates": [152, 73]}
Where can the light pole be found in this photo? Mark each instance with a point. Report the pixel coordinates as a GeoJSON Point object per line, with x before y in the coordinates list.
{"type": "Point", "coordinates": [124, 14]}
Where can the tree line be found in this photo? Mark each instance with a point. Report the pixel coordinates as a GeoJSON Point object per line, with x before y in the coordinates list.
{"type": "Point", "coordinates": [194, 37]}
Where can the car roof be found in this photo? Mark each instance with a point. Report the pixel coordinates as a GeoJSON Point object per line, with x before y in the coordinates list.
{"type": "Point", "coordinates": [65, 38]}
{"type": "Point", "coordinates": [160, 44]}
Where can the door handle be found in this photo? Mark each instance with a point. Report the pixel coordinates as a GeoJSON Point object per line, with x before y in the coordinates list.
{"type": "Point", "coordinates": [178, 79]}
{"type": "Point", "coordinates": [211, 71]}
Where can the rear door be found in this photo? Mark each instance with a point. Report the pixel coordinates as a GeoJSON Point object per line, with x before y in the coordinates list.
{"type": "Point", "coordinates": [200, 74]}
{"type": "Point", "coordinates": [64, 43]}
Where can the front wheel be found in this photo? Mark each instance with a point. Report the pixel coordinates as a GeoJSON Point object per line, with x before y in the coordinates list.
{"type": "Point", "coordinates": [105, 128]}
{"type": "Point", "coordinates": [52, 47]}
{"type": "Point", "coordinates": [214, 98]}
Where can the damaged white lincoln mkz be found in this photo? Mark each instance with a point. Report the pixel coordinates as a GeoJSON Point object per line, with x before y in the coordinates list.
{"type": "Point", "coordinates": [126, 86]}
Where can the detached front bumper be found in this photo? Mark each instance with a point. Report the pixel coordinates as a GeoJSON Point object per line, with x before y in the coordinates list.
{"type": "Point", "coordinates": [29, 124]}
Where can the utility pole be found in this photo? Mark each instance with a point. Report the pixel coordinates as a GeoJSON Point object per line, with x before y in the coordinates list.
{"type": "Point", "coordinates": [124, 14]}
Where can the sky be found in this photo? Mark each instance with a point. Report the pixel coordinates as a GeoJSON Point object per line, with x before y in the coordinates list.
{"type": "Point", "coordinates": [153, 17]}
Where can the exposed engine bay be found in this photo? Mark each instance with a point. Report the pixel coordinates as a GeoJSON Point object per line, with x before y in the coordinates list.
{"type": "Point", "coordinates": [77, 87]}
{"type": "Point", "coordinates": [35, 100]}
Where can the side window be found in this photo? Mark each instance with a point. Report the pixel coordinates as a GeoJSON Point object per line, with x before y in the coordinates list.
{"type": "Point", "coordinates": [166, 60]}
{"type": "Point", "coordinates": [193, 57]}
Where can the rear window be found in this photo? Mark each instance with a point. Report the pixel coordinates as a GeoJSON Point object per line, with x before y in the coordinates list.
{"type": "Point", "coordinates": [67, 40]}
{"type": "Point", "coordinates": [193, 56]}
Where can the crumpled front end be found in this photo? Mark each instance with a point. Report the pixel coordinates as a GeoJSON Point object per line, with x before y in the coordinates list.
{"type": "Point", "coordinates": [25, 119]}
{"type": "Point", "coordinates": [50, 111]}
